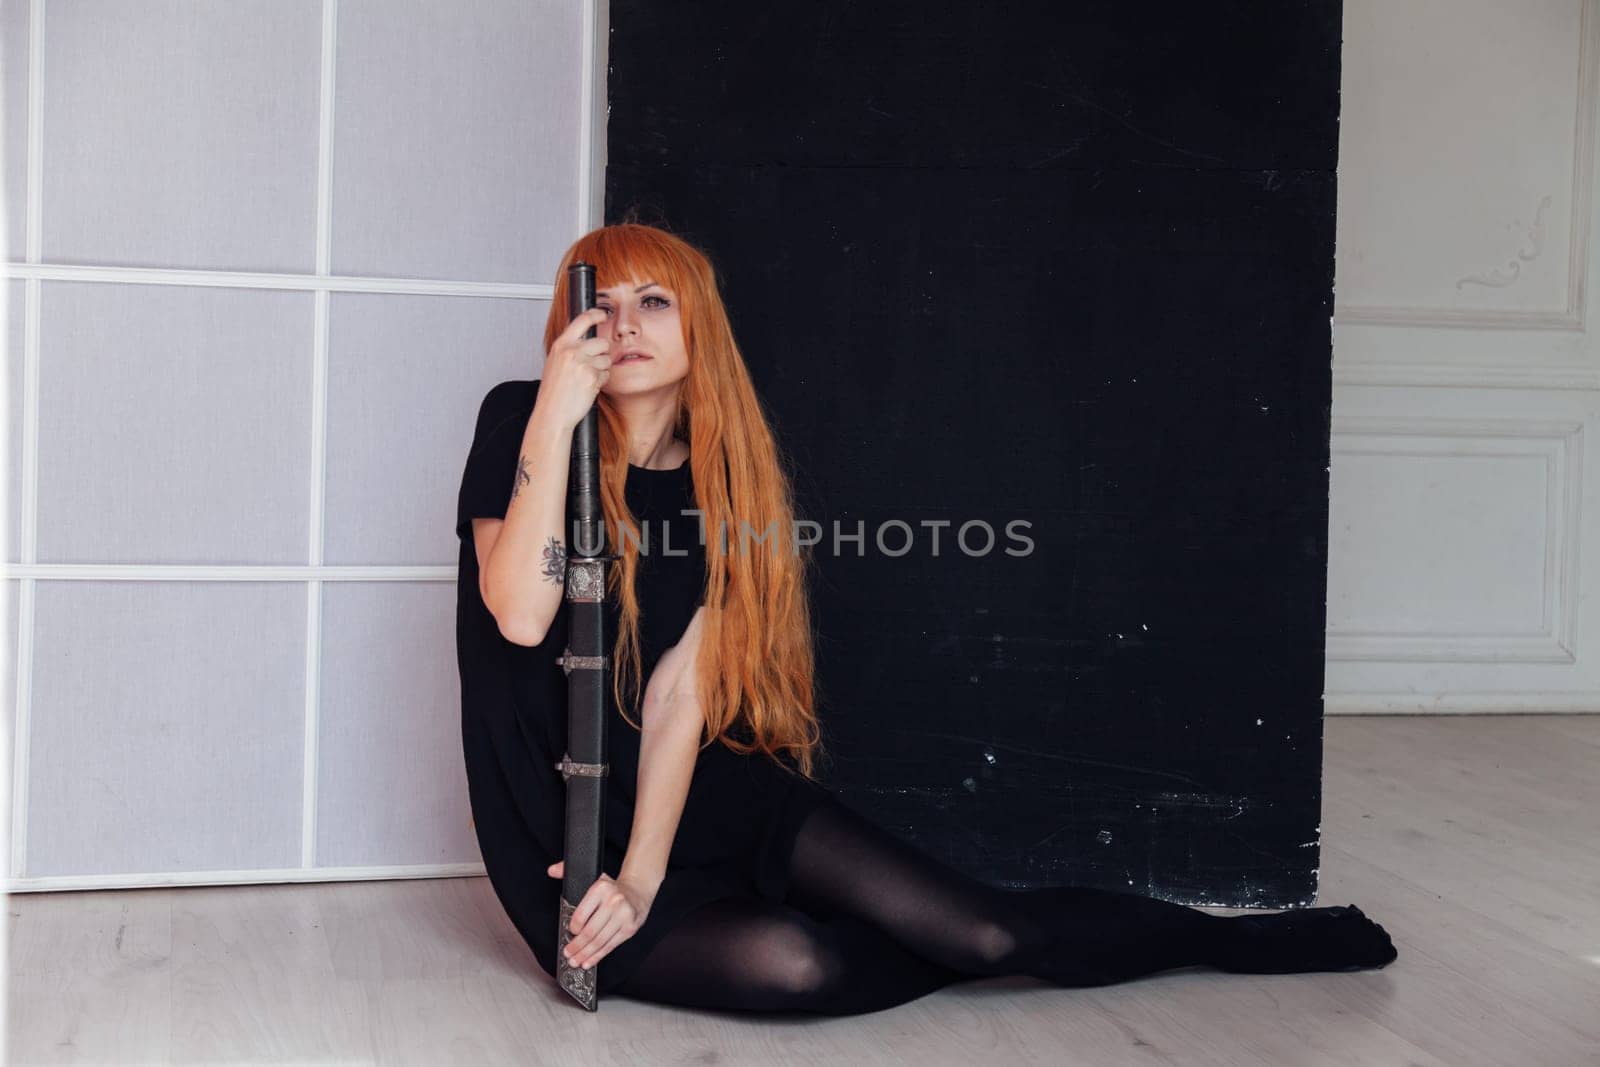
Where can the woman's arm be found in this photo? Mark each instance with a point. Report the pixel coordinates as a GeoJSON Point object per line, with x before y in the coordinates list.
{"type": "Point", "coordinates": [672, 723]}
{"type": "Point", "coordinates": [522, 570]}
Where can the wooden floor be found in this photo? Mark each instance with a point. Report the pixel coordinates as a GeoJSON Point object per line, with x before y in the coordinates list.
{"type": "Point", "coordinates": [1472, 839]}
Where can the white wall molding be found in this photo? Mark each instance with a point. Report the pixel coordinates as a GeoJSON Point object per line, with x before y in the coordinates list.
{"type": "Point", "coordinates": [1559, 442]}
{"type": "Point", "coordinates": [1582, 178]}
{"type": "Point", "coordinates": [1523, 349]}
{"type": "Point", "coordinates": [1441, 375]}
{"type": "Point", "coordinates": [1528, 702]}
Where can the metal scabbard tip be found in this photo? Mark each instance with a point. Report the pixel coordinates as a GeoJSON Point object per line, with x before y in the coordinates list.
{"type": "Point", "coordinates": [578, 982]}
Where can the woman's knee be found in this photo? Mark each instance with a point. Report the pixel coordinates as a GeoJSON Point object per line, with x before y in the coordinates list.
{"type": "Point", "coordinates": [811, 967]}
{"type": "Point", "coordinates": [994, 944]}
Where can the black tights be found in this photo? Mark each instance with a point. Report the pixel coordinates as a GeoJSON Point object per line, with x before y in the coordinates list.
{"type": "Point", "coordinates": [872, 922]}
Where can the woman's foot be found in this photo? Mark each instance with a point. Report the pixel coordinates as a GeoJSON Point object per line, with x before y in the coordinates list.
{"type": "Point", "coordinates": [1300, 940]}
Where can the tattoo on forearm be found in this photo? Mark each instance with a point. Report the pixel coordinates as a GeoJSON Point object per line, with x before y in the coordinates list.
{"type": "Point", "coordinates": [555, 562]}
{"type": "Point", "coordinates": [522, 478]}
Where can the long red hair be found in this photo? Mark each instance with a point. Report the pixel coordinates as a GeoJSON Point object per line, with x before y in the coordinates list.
{"type": "Point", "coordinates": [756, 667]}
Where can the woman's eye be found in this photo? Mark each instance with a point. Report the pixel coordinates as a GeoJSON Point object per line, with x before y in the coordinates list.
{"type": "Point", "coordinates": [663, 302]}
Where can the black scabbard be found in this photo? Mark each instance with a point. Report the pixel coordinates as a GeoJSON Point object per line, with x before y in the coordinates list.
{"type": "Point", "coordinates": [586, 661]}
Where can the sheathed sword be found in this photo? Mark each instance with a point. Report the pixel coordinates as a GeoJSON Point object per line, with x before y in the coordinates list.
{"type": "Point", "coordinates": [586, 662]}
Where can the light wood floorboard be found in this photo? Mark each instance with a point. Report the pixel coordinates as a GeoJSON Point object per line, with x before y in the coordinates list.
{"type": "Point", "coordinates": [1471, 838]}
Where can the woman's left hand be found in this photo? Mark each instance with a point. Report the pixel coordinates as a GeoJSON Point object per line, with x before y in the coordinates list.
{"type": "Point", "coordinates": [609, 913]}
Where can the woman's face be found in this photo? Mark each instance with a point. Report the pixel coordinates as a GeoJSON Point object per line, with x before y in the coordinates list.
{"type": "Point", "coordinates": [642, 322]}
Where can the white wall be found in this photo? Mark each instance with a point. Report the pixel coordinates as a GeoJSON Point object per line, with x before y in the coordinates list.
{"type": "Point", "coordinates": [1463, 535]}
{"type": "Point", "coordinates": [263, 260]}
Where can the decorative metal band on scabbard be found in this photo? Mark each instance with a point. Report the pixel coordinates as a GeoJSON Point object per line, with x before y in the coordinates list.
{"type": "Point", "coordinates": [569, 663]}
{"type": "Point", "coordinates": [586, 578]}
{"type": "Point", "coordinates": [569, 767]}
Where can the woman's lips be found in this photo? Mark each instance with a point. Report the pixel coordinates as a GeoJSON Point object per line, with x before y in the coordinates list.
{"type": "Point", "coordinates": [634, 358]}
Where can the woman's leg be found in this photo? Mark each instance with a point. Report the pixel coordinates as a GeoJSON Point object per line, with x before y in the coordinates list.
{"type": "Point", "coordinates": [749, 954]}
{"type": "Point", "coordinates": [845, 865]}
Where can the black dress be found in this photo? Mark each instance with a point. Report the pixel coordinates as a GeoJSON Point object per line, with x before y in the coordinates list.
{"type": "Point", "coordinates": [742, 812]}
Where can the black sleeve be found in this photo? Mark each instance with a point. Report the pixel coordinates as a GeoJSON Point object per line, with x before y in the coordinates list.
{"type": "Point", "coordinates": [492, 462]}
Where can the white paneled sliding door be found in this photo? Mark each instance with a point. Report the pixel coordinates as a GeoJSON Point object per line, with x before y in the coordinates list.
{"type": "Point", "coordinates": [264, 258]}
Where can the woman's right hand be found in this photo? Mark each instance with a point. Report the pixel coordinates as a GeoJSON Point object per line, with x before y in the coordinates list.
{"type": "Point", "coordinates": [574, 370]}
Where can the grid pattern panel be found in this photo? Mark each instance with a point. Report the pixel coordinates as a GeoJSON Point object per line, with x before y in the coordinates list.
{"type": "Point", "coordinates": [197, 391]}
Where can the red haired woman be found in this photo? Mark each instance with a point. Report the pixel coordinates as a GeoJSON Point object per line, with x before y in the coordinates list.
{"type": "Point", "coordinates": [731, 879]}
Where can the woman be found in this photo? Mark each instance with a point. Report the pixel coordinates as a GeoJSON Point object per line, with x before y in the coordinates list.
{"type": "Point", "coordinates": [730, 878]}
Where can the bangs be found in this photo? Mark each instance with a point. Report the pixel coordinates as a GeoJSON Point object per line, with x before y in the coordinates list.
{"type": "Point", "coordinates": [622, 252]}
